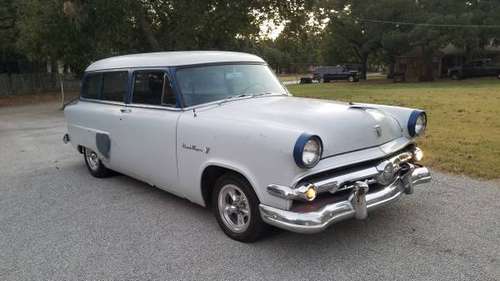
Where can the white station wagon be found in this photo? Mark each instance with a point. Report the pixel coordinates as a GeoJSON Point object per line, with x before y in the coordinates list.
{"type": "Point", "coordinates": [219, 129]}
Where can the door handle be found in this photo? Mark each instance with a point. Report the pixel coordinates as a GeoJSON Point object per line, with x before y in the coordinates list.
{"type": "Point", "coordinates": [125, 110]}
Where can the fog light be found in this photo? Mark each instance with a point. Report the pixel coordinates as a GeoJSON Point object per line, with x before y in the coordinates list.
{"type": "Point", "coordinates": [310, 192]}
{"type": "Point", "coordinates": [418, 154]}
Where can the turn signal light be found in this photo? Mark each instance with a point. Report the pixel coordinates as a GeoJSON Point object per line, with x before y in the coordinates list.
{"type": "Point", "coordinates": [311, 193]}
{"type": "Point", "coordinates": [418, 154]}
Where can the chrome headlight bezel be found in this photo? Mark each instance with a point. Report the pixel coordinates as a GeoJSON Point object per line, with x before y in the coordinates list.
{"type": "Point", "coordinates": [417, 123]}
{"type": "Point", "coordinates": [300, 145]}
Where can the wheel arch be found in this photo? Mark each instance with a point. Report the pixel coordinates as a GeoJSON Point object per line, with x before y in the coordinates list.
{"type": "Point", "coordinates": [212, 171]}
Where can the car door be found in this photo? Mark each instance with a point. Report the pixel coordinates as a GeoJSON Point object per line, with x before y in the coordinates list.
{"type": "Point", "coordinates": [147, 130]}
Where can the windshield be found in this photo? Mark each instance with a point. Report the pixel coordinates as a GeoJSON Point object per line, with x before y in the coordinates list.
{"type": "Point", "coordinates": [205, 84]}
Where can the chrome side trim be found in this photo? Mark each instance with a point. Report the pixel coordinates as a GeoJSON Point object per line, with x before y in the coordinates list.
{"type": "Point", "coordinates": [358, 205]}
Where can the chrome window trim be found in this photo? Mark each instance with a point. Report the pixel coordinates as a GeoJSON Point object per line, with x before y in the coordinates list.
{"type": "Point", "coordinates": [156, 107]}
{"type": "Point", "coordinates": [103, 101]}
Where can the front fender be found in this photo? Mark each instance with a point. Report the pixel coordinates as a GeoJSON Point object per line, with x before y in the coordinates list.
{"type": "Point", "coordinates": [263, 155]}
{"type": "Point", "coordinates": [400, 114]}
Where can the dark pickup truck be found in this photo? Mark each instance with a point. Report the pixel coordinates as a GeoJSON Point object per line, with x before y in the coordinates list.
{"type": "Point", "coordinates": [476, 68]}
{"type": "Point", "coordinates": [331, 73]}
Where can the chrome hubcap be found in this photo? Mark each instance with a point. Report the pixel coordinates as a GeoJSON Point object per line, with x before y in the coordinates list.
{"type": "Point", "coordinates": [92, 159]}
{"type": "Point", "coordinates": [234, 208]}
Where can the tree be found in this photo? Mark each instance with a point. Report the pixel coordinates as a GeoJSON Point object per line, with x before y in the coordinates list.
{"type": "Point", "coordinates": [300, 40]}
{"type": "Point", "coordinates": [351, 37]}
{"type": "Point", "coordinates": [8, 33]}
{"type": "Point", "coordinates": [78, 32]}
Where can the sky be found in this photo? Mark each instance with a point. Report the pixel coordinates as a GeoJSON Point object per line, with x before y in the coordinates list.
{"type": "Point", "coordinates": [270, 29]}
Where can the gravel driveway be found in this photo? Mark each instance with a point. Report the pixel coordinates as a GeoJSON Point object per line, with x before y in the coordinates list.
{"type": "Point", "coordinates": [57, 222]}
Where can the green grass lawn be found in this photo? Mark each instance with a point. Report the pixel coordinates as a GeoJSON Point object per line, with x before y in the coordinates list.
{"type": "Point", "coordinates": [463, 133]}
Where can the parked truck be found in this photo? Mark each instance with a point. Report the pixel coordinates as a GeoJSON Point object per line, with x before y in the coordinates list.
{"type": "Point", "coordinates": [331, 73]}
{"type": "Point", "coordinates": [475, 68]}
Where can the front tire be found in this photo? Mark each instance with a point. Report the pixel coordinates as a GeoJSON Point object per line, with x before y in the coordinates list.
{"type": "Point", "coordinates": [94, 164]}
{"type": "Point", "coordinates": [236, 208]}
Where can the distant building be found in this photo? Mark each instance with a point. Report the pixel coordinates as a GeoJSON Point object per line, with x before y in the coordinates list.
{"type": "Point", "coordinates": [412, 67]}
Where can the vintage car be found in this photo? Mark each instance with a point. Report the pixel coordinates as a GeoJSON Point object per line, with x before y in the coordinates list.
{"type": "Point", "coordinates": [219, 129]}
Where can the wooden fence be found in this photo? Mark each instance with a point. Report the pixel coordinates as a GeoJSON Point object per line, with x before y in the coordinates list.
{"type": "Point", "coordinates": [35, 83]}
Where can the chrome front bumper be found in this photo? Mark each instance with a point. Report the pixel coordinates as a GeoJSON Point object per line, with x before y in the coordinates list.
{"type": "Point", "coordinates": [357, 204]}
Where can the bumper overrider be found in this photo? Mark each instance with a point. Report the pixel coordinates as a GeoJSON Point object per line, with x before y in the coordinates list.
{"type": "Point", "coordinates": [363, 190]}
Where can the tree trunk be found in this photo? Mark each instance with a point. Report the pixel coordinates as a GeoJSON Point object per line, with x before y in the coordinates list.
{"type": "Point", "coordinates": [390, 73]}
{"type": "Point", "coordinates": [364, 66]}
{"type": "Point", "coordinates": [426, 69]}
{"type": "Point", "coordinates": [146, 28]}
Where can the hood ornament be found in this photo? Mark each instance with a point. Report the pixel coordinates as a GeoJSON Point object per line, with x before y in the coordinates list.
{"type": "Point", "coordinates": [378, 130]}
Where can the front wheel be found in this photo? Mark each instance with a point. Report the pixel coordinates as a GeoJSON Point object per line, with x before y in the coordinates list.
{"type": "Point", "coordinates": [236, 208]}
{"type": "Point", "coordinates": [351, 79]}
{"type": "Point", "coordinates": [94, 164]}
{"type": "Point", "coordinates": [455, 76]}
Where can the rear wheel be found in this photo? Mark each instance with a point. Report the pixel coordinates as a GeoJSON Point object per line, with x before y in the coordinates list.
{"type": "Point", "coordinates": [455, 76]}
{"type": "Point", "coordinates": [236, 208]}
{"type": "Point", "coordinates": [94, 164]}
{"type": "Point", "coordinates": [351, 79]}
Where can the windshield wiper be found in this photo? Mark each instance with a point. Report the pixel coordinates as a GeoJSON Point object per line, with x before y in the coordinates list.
{"type": "Point", "coordinates": [244, 95]}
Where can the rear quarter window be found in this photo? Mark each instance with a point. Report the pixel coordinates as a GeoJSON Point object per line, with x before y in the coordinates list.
{"type": "Point", "coordinates": [91, 86]}
{"type": "Point", "coordinates": [114, 85]}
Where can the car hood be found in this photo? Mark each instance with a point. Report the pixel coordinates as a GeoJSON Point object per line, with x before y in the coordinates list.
{"type": "Point", "coordinates": [341, 126]}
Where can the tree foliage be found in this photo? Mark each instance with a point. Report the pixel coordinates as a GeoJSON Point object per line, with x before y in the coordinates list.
{"type": "Point", "coordinates": [78, 32]}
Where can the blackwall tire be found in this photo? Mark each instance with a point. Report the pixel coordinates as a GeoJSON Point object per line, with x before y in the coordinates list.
{"type": "Point", "coordinates": [236, 208]}
{"type": "Point", "coordinates": [95, 165]}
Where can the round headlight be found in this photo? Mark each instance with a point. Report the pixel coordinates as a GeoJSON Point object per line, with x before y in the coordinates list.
{"type": "Point", "coordinates": [417, 123]}
{"type": "Point", "coordinates": [307, 151]}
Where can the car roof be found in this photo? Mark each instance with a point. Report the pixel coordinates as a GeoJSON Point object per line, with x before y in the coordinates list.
{"type": "Point", "coordinates": [177, 58]}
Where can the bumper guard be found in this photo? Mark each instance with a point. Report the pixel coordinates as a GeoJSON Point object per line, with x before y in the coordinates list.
{"type": "Point", "coordinates": [357, 205]}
